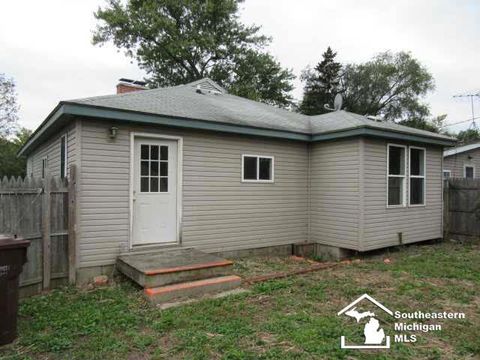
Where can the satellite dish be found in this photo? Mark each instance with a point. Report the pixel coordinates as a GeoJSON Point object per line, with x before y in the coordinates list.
{"type": "Point", "coordinates": [338, 102]}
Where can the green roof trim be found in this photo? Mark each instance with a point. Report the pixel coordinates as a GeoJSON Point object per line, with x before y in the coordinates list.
{"type": "Point", "coordinates": [145, 118]}
{"type": "Point", "coordinates": [66, 110]}
{"type": "Point", "coordinates": [389, 134]}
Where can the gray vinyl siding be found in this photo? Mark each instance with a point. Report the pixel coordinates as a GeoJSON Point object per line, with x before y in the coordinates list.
{"type": "Point", "coordinates": [220, 213]}
{"type": "Point", "coordinates": [29, 166]}
{"type": "Point", "coordinates": [456, 163]}
{"type": "Point", "coordinates": [51, 150]}
{"type": "Point", "coordinates": [382, 224]}
{"type": "Point", "coordinates": [335, 193]}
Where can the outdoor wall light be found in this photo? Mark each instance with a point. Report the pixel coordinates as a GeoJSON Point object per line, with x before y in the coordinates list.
{"type": "Point", "coordinates": [470, 157]}
{"type": "Point", "coordinates": [113, 132]}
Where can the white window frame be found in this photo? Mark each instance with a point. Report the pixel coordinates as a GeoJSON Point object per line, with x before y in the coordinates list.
{"type": "Point", "coordinates": [404, 176]}
{"type": "Point", "coordinates": [65, 165]}
{"type": "Point", "coordinates": [272, 158]}
{"type": "Point", "coordinates": [465, 170]}
{"type": "Point", "coordinates": [449, 174]}
{"type": "Point", "coordinates": [424, 176]}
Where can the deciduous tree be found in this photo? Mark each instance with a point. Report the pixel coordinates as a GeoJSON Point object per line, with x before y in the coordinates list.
{"type": "Point", "coordinates": [8, 106]}
{"type": "Point", "coordinates": [389, 85]}
{"type": "Point", "coordinates": [179, 41]}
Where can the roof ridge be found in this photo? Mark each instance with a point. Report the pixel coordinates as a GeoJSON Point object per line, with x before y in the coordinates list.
{"type": "Point", "coordinates": [127, 94]}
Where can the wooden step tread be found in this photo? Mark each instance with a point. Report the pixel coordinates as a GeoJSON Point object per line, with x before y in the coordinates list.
{"type": "Point", "coordinates": [163, 290]}
{"type": "Point", "coordinates": [188, 267]}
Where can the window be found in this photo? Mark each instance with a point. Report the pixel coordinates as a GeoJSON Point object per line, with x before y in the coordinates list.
{"type": "Point", "coordinates": [417, 176]}
{"type": "Point", "coordinates": [44, 167]}
{"type": "Point", "coordinates": [469, 171]}
{"type": "Point", "coordinates": [447, 174]}
{"type": "Point", "coordinates": [396, 175]}
{"type": "Point", "coordinates": [153, 168]}
{"type": "Point", "coordinates": [257, 168]}
{"type": "Point", "coordinates": [63, 157]}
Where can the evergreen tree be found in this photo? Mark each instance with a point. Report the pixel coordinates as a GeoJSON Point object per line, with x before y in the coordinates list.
{"type": "Point", "coordinates": [321, 84]}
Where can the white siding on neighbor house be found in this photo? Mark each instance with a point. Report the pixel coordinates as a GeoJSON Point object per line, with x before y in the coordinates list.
{"type": "Point", "coordinates": [220, 213]}
{"type": "Point", "coordinates": [382, 224]}
{"type": "Point", "coordinates": [51, 150]}
{"type": "Point", "coordinates": [335, 193]}
{"type": "Point", "coordinates": [456, 163]}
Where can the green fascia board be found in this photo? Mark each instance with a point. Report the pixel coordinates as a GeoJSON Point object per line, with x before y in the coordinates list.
{"type": "Point", "coordinates": [89, 111]}
{"type": "Point", "coordinates": [145, 118]}
{"type": "Point", "coordinates": [388, 134]}
{"type": "Point", "coordinates": [51, 119]}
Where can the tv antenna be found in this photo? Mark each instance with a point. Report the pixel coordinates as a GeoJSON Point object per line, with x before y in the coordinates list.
{"type": "Point", "coordinates": [473, 125]}
{"type": "Point", "coordinates": [337, 103]}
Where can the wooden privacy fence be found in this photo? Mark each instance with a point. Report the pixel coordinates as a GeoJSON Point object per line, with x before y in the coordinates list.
{"type": "Point", "coordinates": [42, 211]}
{"type": "Point", "coordinates": [462, 208]}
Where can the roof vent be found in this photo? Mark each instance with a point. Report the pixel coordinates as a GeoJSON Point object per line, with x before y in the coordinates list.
{"type": "Point", "coordinates": [209, 86]}
{"type": "Point", "coordinates": [376, 118]}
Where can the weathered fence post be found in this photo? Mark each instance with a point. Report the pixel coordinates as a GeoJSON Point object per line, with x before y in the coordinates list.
{"type": "Point", "coordinates": [46, 222]}
{"type": "Point", "coordinates": [72, 225]}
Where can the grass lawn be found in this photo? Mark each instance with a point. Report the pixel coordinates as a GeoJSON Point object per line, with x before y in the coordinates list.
{"type": "Point", "coordinates": [291, 318]}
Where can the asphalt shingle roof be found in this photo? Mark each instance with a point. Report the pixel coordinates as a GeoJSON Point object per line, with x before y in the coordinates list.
{"type": "Point", "coordinates": [342, 120]}
{"type": "Point", "coordinates": [461, 149]}
{"type": "Point", "coordinates": [184, 101]}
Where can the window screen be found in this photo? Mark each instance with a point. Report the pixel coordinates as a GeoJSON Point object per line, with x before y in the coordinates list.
{"type": "Point", "coordinates": [257, 168]}
{"type": "Point", "coordinates": [417, 176]}
{"type": "Point", "coordinates": [396, 175]}
{"type": "Point", "coordinates": [469, 172]}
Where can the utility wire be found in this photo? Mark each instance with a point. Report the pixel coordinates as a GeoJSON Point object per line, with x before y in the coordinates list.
{"type": "Point", "coordinates": [460, 122]}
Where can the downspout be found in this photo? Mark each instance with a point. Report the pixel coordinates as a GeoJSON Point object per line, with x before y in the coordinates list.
{"type": "Point", "coordinates": [309, 186]}
{"type": "Point", "coordinates": [444, 211]}
{"type": "Point", "coordinates": [361, 194]}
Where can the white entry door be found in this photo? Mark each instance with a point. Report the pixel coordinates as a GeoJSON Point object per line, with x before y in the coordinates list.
{"type": "Point", "coordinates": [154, 191]}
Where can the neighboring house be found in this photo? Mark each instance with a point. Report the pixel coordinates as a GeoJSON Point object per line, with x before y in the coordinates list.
{"type": "Point", "coordinates": [196, 167]}
{"type": "Point", "coordinates": [462, 161]}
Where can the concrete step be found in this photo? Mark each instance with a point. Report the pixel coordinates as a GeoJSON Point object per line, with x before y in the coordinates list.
{"type": "Point", "coordinates": [192, 289]}
{"type": "Point", "coordinates": [171, 267]}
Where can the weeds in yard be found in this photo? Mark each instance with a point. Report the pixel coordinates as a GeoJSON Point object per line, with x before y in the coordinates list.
{"type": "Point", "coordinates": [289, 318]}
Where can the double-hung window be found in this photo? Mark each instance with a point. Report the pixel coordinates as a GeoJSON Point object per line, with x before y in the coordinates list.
{"type": "Point", "coordinates": [257, 168]}
{"type": "Point", "coordinates": [396, 159]}
{"type": "Point", "coordinates": [417, 176]}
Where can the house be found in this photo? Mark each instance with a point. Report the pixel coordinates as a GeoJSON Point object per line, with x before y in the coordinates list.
{"type": "Point", "coordinates": [462, 161]}
{"type": "Point", "coordinates": [193, 166]}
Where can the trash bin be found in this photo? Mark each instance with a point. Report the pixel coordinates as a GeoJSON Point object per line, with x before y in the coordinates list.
{"type": "Point", "coordinates": [13, 254]}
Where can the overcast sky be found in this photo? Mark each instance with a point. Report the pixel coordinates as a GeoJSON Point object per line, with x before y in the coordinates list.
{"type": "Point", "coordinates": [46, 45]}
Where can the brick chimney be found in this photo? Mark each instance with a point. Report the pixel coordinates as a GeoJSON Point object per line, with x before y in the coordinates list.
{"type": "Point", "coordinates": [128, 85]}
